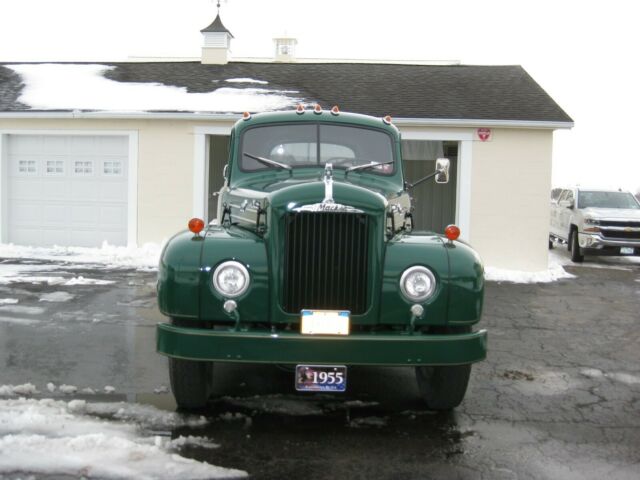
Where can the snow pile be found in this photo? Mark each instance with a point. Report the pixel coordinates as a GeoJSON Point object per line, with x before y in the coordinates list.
{"type": "Point", "coordinates": [59, 438]}
{"type": "Point", "coordinates": [24, 389]}
{"type": "Point", "coordinates": [246, 80]}
{"type": "Point", "coordinates": [56, 297]}
{"type": "Point", "coordinates": [84, 87]}
{"type": "Point", "coordinates": [145, 257]}
{"type": "Point", "coordinates": [553, 273]}
{"type": "Point", "coordinates": [8, 301]}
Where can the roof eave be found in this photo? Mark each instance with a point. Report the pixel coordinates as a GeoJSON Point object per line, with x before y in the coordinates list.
{"type": "Point", "coordinates": [398, 121]}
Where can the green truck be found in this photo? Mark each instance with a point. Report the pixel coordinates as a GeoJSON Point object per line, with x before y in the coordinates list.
{"type": "Point", "coordinates": [313, 263]}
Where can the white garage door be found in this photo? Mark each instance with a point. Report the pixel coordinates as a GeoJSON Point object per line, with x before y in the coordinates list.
{"type": "Point", "coordinates": [67, 190]}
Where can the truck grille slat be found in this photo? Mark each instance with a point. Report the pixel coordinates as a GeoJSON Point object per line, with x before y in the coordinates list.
{"type": "Point", "coordinates": [325, 261]}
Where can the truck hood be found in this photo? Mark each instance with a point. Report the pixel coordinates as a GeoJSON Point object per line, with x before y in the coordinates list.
{"type": "Point", "coordinates": [617, 213]}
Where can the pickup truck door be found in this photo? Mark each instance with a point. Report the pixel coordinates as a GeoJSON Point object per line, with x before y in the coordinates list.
{"type": "Point", "coordinates": [565, 213]}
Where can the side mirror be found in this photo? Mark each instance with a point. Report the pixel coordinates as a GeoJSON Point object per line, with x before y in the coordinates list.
{"type": "Point", "coordinates": [442, 170]}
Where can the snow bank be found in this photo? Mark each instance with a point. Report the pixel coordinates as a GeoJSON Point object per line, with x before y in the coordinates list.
{"type": "Point", "coordinates": [24, 389]}
{"type": "Point", "coordinates": [553, 273]}
{"type": "Point", "coordinates": [246, 80]}
{"type": "Point", "coordinates": [84, 87]}
{"type": "Point", "coordinates": [59, 438]}
{"type": "Point", "coordinates": [145, 257]}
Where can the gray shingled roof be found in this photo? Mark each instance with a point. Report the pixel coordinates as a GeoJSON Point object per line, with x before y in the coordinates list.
{"type": "Point", "coordinates": [469, 92]}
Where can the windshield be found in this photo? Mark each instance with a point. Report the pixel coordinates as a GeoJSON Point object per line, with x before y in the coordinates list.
{"type": "Point", "coordinates": [314, 145]}
{"type": "Point", "coordinates": [607, 200]}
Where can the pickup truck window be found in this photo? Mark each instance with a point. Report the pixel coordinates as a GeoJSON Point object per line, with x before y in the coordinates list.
{"type": "Point", "coordinates": [588, 199]}
{"type": "Point", "coordinates": [314, 145]}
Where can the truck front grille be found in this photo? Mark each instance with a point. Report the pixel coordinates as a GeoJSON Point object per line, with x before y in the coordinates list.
{"type": "Point", "coordinates": [326, 261]}
{"type": "Point", "coordinates": [620, 234]}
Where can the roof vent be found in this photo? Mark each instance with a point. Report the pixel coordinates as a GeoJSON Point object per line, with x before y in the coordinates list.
{"type": "Point", "coordinates": [285, 49]}
{"type": "Point", "coordinates": [217, 40]}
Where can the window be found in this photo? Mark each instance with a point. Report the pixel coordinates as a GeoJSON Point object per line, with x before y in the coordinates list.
{"type": "Point", "coordinates": [112, 168]}
{"type": "Point", "coordinates": [597, 199]}
{"type": "Point", "coordinates": [27, 167]}
{"type": "Point", "coordinates": [314, 145]}
{"type": "Point", "coordinates": [83, 167]}
{"type": "Point", "coordinates": [54, 167]}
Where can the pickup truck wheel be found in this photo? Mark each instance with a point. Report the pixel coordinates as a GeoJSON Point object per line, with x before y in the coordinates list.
{"type": "Point", "coordinates": [443, 388]}
{"type": "Point", "coordinates": [576, 253]}
{"type": "Point", "coordinates": [550, 243]}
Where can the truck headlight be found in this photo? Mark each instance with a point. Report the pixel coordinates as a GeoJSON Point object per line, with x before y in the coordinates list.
{"type": "Point", "coordinates": [417, 283]}
{"type": "Point", "coordinates": [231, 279]}
{"type": "Point", "coordinates": [591, 221]}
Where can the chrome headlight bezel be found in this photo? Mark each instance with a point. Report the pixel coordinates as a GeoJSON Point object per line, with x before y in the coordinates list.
{"type": "Point", "coordinates": [408, 273]}
{"type": "Point", "coordinates": [592, 221]}
{"type": "Point", "coordinates": [228, 264]}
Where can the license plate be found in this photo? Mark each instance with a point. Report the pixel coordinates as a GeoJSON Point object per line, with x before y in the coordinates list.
{"type": "Point", "coordinates": [324, 322]}
{"type": "Point", "coordinates": [321, 378]}
{"type": "Point", "coordinates": [626, 250]}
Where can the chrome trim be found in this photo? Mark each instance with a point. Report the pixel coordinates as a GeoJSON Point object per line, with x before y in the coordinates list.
{"type": "Point", "coordinates": [598, 241]}
{"type": "Point", "coordinates": [244, 271]}
{"type": "Point", "coordinates": [327, 204]}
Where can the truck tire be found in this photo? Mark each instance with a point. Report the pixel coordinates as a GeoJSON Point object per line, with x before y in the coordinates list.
{"type": "Point", "coordinates": [191, 381]}
{"type": "Point", "coordinates": [576, 254]}
{"type": "Point", "coordinates": [443, 387]}
{"type": "Point", "coordinates": [550, 243]}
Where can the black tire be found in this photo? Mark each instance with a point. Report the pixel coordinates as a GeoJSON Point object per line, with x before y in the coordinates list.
{"type": "Point", "coordinates": [550, 243]}
{"type": "Point", "coordinates": [443, 388]}
{"type": "Point", "coordinates": [191, 380]}
{"type": "Point", "coordinates": [576, 252]}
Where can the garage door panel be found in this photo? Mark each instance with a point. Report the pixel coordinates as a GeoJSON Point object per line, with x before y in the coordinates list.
{"type": "Point", "coordinates": [67, 190]}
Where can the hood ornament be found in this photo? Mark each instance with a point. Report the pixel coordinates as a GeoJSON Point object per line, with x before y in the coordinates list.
{"type": "Point", "coordinates": [328, 204]}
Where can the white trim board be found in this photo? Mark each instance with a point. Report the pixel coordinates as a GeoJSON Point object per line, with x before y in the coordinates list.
{"type": "Point", "coordinates": [132, 181]}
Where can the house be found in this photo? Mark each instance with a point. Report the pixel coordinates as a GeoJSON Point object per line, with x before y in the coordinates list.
{"type": "Point", "coordinates": [128, 152]}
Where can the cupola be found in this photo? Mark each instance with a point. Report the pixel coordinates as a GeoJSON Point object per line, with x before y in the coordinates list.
{"type": "Point", "coordinates": [285, 49]}
{"type": "Point", "coordinates": [217, 40]}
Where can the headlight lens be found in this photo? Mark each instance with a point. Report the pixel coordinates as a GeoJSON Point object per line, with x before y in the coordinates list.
{"type": "Point", "coordinates": [417, 283]}
{"type": "Point", "coordinates": [591, 221]}
{"type": "Point", "coordinates": [231, 279]}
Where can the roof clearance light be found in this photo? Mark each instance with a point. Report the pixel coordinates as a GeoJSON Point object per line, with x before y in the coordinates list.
{"type": "Point", "coordinates": [335, 110]}
{"type": "Point", "coordinates": [196, 225]}
{"type": "Point", "coordinates": [317, 108]}
{"type": "Point", "coordinates": [246, 116]}
{"type": "Point", "coordinates": [452, 232]}
{"type": "Point", "coordinates": [387, 119]}
{"type": "Point", "coordinates": [300, 109]}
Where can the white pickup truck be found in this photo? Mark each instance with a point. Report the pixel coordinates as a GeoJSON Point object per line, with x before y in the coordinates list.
{"type": "Point", "coordinates": [596, 222]}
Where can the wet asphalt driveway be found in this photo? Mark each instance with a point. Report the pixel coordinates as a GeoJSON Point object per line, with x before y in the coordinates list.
{"type": "Point", "coordinates": [558, 396]}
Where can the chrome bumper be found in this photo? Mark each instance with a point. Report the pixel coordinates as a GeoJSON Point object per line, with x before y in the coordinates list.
{"type": "Point", "coordinates": [597, 241]}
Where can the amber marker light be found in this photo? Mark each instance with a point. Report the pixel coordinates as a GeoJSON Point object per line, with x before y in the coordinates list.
{"type": "Point", "coordinates": [317, 108]}
{"type": "Point", "coordinates": [452, 232]}
{"type": "Point", "coordinates": [387, 119]}
{"type": "Point", "coordinates": [335, 110]}
{"type": "Point", "coordinates": [246, 116]}
{"type": "Point", "coordinates": [300, 109]}
{"type": "Point", "coordinates": [196, 225]}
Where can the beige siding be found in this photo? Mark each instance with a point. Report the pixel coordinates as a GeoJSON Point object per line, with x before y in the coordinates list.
{"type": "Point", "coordinates": [510, 185]}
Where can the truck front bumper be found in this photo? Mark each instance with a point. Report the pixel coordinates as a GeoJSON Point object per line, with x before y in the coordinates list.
{"type": "Point", "coordinates": [258, 346]}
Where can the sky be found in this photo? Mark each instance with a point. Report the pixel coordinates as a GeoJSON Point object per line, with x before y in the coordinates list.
{"type": "Point", "coordinates": [581, 52]}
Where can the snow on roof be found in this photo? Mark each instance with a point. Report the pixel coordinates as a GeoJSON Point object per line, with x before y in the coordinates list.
{"type": "Point", "coordinates": [245, 80]}
{"type": "Point", "coordinates": [51, 86]}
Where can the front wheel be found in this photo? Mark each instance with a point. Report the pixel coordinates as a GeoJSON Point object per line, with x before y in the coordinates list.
{"type": "Point", "coordinates": [443, 388]}
{"type": "Point", "coordinates": [191, 382]}
{"type": "Point", "coordinates": [576, 253]}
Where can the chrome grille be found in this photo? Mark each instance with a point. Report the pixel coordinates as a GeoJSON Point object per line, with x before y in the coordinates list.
{"type": "Point", "coordinates": [326, 261]}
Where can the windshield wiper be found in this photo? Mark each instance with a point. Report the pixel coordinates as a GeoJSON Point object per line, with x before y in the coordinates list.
{"type": "Point", "coordinates": [268, 161]}
{"type": "Point", "coordinates": [367, 165]}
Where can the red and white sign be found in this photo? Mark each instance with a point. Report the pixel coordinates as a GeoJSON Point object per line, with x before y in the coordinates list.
{"type": "Point", "coordinates": [484, 134]}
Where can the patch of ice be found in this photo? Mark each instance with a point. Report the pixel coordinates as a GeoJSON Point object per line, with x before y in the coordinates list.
{"type": "Point", "coordinates": [58, 438]}
{"type": "Point", "coordinates": [624, 378]}
{"type": "Point", "coordinates": [279, 404]}
{"type": "Point", "coordinates": [109, 389]}
{"type": "Point", "coordinates": [87, 281]}
{"type": "Point", "coordinates": [246, 80]}
{"type": "Point", "coordinates": [377, 422]}
{"type": "Point", "coordinates": [56, 297]}
{"type": "Point", "coordinates": [19, 321]}
{"type": "Point", "coordinates": [191, 441]}
{"type": "Point", "coordinates": [145, 257]}
{"type": "Point", "coordinates": [22, 309]}
{"type": "Point", "coordinates": [24, 389]}
{"type": "Point", "coordinates": [8, 301]}
{"type": "Point", "coordinates": [68, 389]}
{"type": "Point", "coordinates": [591, 373]}
{"type": "Point", "coordinates": [84, 87]}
